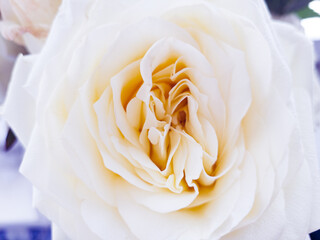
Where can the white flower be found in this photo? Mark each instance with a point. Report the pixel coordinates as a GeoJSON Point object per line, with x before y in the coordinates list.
{"type": "Point", "coordinates": [27, 22]}
{"type": "Point", "coordinates": [170, 119]}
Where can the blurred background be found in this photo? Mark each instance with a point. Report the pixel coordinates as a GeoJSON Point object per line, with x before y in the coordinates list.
{"type": "Point", "coordinates": [18, 219]}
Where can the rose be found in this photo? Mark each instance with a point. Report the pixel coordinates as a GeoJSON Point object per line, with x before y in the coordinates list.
{"type": "Point", "coordinates": [27, 22]}
{"type": "Point", "coordinates": [78, 185]}
{"type": "Point", "coordinates": [95, 172]}
{"type": "Point", "coordinates": [170, 120]}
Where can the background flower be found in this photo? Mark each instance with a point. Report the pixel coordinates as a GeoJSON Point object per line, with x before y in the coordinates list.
{"type": "Point", "coordinates": [27, 22]}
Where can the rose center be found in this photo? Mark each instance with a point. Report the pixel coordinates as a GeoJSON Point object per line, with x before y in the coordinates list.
{"type": "Point", "coordinates": [167, 110]}
{"type": "Point", "coordinates": [163, 110]}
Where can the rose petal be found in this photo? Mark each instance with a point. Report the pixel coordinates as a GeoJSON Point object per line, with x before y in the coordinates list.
{"type": "Point", "coordinates": [22, 126]}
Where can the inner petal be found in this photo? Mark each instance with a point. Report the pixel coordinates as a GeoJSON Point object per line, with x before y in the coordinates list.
{"type": "Point", "coordinates": [163, 112]}
{"type": "Point", "coordinates": [160, 146]}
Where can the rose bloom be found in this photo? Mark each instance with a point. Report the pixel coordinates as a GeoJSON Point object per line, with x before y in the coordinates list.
{"type": "Point", "coordinates": [27, 22]}
{"type": "Point", "coordinates": [169, 119]}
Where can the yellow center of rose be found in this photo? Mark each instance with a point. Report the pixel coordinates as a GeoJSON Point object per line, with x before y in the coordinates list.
{"type": "Point", "coordinates": [164, 111]}
{"type": "Point", "coordinates": [168, 108]}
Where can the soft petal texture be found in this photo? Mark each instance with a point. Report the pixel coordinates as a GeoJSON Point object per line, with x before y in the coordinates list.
{"type": "Point", "coordinates": [170, 120]}
{"type": "Point", "coordinates": [22, 126]}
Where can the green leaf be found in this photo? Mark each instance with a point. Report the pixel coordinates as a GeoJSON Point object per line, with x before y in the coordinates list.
{"type": "Point", "coordinates": [307, 13]}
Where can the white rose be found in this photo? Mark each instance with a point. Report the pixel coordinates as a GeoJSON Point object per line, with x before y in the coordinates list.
{"type": "Point", "coordinates": [27, 22]}
{"type": "Point", "coordinates": [169, 120]}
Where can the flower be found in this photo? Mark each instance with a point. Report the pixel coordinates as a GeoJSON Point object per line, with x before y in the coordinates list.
{"type": "Point", "coordinates": [170, 120]}
{"type": "Point", "coordinates": [27, 22]}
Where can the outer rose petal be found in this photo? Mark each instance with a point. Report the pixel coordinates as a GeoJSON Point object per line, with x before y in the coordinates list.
{"type": "Point", "coordinates": [297, 54]}
{"type": "Point", "coordinates": [21, 126]}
